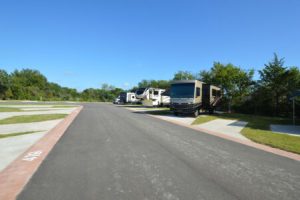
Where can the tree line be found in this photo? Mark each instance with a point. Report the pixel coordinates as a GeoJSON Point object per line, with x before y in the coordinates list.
{"type": "Point", "coordinates": [28, 84]}
{"type": "Point", "coordinates": [269, 95]}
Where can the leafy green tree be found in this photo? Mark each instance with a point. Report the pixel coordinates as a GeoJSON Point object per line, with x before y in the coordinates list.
{"type": "Point", "coordinates": [163, 84]}
{"type": "Point", "coordinates": [107, 87]}
{"type": "Point", "coordinates": [28, 84]}
{"type": "Point", "coordinates": [235, 82]}
{"type": "Point", "coordinates": [184, 75]}
{"type": "Point", "coordinates": [279, 81]}
{"type": "Point", "coordinates": [4, 83]}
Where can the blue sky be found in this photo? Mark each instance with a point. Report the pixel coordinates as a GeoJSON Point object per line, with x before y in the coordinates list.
{"type": "Point", "coordinates": [86, 43]}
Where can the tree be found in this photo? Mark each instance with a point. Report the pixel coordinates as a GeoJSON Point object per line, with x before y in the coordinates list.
{"type": "Point", "coordinates": [163, 84]}
{"type": "Point", "coordinates": [28, 84]}
{"type": "Point", "coordinates": [279, 82]}
{"type": "Point", "coordinates": [184, 75]}
{"type": "Point", "coordinates": [107, 87]}
{"type": "Point", "coordinates": [4, 83]}
{"type": "Point", "coordinates": [235, 82]}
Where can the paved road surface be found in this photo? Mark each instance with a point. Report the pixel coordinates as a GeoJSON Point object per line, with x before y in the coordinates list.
{"type": "Point", "coordinates": [111, 153]}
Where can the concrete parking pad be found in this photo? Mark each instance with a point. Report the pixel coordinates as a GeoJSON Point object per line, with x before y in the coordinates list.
{"type": "Point", "coordinates": [286, 129]}
{"type": "Point", "coordinates": [24, 127]}
{"type": "Point", "coordinates": [227, 127]}
{"type": "Point", "coordinates": [230, 128]}
{"type": "Point", "coordinates": [181, 119]}
{"type": "Point", "coordinates": [12, 147]}
{"type": "Point", "coordinates": [18, 173]}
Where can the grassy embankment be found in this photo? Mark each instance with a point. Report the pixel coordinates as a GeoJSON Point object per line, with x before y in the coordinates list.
{"type": "Point", "coordinates": [258, 130]}
{"type": "Point", "coordinates": [10, 109]}
{"type": "Point", "coordinates": [20, 109]}
{"type": "Point", "coordinates": [31, 118]}
{"type": "Point", "coordinates": [17, 134]}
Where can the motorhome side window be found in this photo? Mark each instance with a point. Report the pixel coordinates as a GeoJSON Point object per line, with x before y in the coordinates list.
{"type": "Point", "coordinates": [198, 92]}
{"type": "Point", "coordinates": [215, 93]}
{"type": "Point", "coordinates": [155, 92]}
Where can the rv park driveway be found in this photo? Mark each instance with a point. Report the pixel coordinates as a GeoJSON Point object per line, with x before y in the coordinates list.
{"type": "Point", "coordinates": [112, 153]}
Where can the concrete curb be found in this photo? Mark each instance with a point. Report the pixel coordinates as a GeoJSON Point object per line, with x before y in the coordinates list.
{"type": "Point", "coordinates": [16, 175]}
{"type": "Point", "coordinates": [250, 143]}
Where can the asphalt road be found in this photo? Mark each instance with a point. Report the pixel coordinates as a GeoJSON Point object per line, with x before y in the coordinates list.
{"type": "Point", "coordinates": [110, 153]}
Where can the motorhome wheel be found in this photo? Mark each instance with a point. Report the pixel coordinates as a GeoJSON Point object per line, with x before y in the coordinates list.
{"type": "Point", "coordinates": [196, 113]}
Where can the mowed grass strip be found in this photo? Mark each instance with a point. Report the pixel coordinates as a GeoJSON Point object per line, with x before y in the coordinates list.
{"type": "Point", "coordinates": [31, 118]}
{"type": "Point", "coordinates": [204, 119]}
{"type": "Point", "coordinates": [17, 134]}
{"type": "Point", "coordinates": [64, 106]}
{"type": "Point", "coordinates": [276, 140]}
{"type": "Point", "coordinates": [258, 130]}
{"type": "Point", "coordinates": [9, 109]}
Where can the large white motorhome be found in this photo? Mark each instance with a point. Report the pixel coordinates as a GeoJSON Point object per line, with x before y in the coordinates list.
{"type": "Point", "coordinates": [193, 96]}
{"type": "Point", "coordinates": [153, 96]}
{"type": "Point", "coordinates": [128, 97]}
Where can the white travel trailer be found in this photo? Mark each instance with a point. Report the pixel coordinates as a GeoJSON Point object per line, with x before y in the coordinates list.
{"type": "Point", "coordinates": [128, 97]}
{"type": "Point", "coordinates": [153, 96]}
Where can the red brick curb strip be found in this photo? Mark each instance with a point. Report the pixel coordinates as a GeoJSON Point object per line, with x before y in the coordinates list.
{"type": "Point", "coordinates": [245, 142]}
{"type": "Point", "coordinates": [15, 176]}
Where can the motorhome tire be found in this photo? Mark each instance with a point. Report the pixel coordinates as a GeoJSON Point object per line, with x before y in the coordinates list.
{"type": "Point", "coordinates": [196, 113]}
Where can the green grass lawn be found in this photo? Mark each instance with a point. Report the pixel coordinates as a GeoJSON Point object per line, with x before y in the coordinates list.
{"type": "Point", "coordinates": [18, 109]}
{"type": "Point", "coordinates": [204, 119]}
{"type": "Point", "coordinates": [9, 109]}
{"type": "Point", "coordinates": [258, 130]}
{"type": "Point", "coordinates": [64, 106]}
{"type": "Point", "coordinates": [31, 118]}
{"type": "Point", "coordinates": [16, 134]}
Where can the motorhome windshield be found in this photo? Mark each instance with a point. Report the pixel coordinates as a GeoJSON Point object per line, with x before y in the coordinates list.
{"type": "Point", "coordinates": [140, 91]}
{"type": "Point", "coordinates": [183, 90]}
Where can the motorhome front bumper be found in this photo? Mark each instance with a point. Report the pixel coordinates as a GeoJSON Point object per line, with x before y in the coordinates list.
{"type": "Point", "coordinates": [183, 108]}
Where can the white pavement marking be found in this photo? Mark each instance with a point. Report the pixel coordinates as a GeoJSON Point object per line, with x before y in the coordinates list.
{"type": "Point", "coordinates": [12, 147]}
{"type": "Point", "coordinates": [31, 156]}
{"type": "Point", "coordinates": [286, 129]}
{"type": "Point", "coordinates": [227, 127]}
{"type": "Point", "coordinates": [25, 127]}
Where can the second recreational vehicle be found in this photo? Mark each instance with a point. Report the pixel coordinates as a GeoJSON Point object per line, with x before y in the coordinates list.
{"type": "Point", "coordinates": [153, 96]}
{"type": "Point", "coordinates": [128, 97]}
{"type": "Point", "coordinates": [193, 96]}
